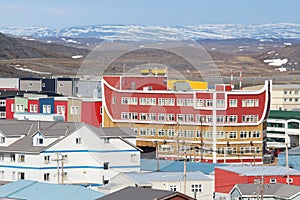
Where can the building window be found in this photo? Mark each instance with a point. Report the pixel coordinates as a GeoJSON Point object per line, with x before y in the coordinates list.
{"type": "Point", "coordinates": [1, 157]}
{"type": "Point", "coordinates": [61, 109]}
{"type": "Point", "coordinates": [46, 176]}
{"type": "Point", "coordinates": [2, 139]}
{"type": "Point", "coordinates": [243, 134]}
{"type": "Point", "coordinates": [233, 103]}
{"type": "Point", "coordinates": [232, 118]}
{"type": "Point", "coordinates": [196, 188]}
{"type": "Point", "coordinates": [40, 141]}
{"type": "Point", "coordinates": [65, 158]}
{"type": "Point", "coordinates": [173, 188]}
{"type": "Point", "coordinates": [114, 100]}
{"type": "Point", "coordinates": [65, 176]}
{"type": "Point", "coordinates": [12, 157]}
{"type": "Point", "coordinates": [106, 140]}
{"type": "Point", "coordinates": [21, 175]}
{"type": "Point", "coordinates": [1, 174]}
{"type": "Point", "coordinates": [21, 158]}
{"type": "Point", "coordinates": [256, 134]}
{"type": "Point", "coordinates": [289, 180]}
{"type": "Point", "coordinates": [2, 102]}
{"type": "Point", "coordinates": [78, 140]}
{"type": "Point", "coordinates": [47, 159]}
{"type": "Point", "coordinates": [161, 117]}
{"type": "Point", "coordinates": [133, 157]}
{"type": "Point", "coordinates": [232, 134]}
{"type": "Point", "coordinates": [161, 132]}
{"type": "Point", "coordinates": [105, 165]}
{"type": "Point", "coordinates": [12, 107]}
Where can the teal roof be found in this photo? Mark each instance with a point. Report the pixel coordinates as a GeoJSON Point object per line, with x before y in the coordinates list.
{"type": "Point", "coordinates": [279, 114]}
{"type": "Point", "coordinates": [33, 190]}
{"type": "Point", "coordinates": [177, 166]}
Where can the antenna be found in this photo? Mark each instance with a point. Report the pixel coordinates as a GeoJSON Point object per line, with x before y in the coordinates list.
{"type": "Point", "coordinates": [240, 78]}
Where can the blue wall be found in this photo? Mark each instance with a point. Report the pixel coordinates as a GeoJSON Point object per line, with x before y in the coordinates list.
{"type": "Point", "coordinates": [46, 101]}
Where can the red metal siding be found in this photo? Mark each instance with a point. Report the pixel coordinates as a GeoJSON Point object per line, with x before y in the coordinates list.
{"type": "Point", "coordinates": [90, 113]}
{"type": "Point", "coordinates": [9, 113]}
{"type": "Point", "coordinates": [225, 180]}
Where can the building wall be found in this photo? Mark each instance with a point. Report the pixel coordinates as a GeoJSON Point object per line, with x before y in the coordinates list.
{"type": "Point", "coordinates": [21, 104]}
{"type": "Point", "coordinates": [91, 113]}
{"type": "Point", "coordinates": [46, 102]}
{"type": "Point", "coordinates": [74, 110]}
{"type": "Point", "coordinates": [31, 85]}
{"type": "Point", "coordinates": [9, 112]}
{"type": "Point", "coordinates": [49, 85]}
{"type": "Point", "coordinates": [61, 103]}
{"type": "Point", "coordinates": [33, 102]}
{"type": "Point", "coordinates": [65, 87]}
{"type": "Point", "coordinates": [88, 88]}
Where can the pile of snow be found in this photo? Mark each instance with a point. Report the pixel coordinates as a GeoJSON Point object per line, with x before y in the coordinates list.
{"type": "Point", "coordinates": [30, 70]}
{"type": "Point", "coordinates": [276, 61]}
{"type": "Point", "coordinates": [287, 44]}
{"type": "Point", "coordinates": [77, 57]}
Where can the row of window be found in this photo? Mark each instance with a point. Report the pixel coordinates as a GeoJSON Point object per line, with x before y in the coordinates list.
{"type": "Point", "coordinates": [296, 92]}
{"type": "Point", "coordinates": [194, 188]}
{"type": "Point", "coordinates": [2, 115]}
{"type": "Point", "coordinates": [2, 102]}
{"type": "Point", "coordinates": [33, 108]}
{"type": "Point", "coordinates": [21, 158]}
{"type": "Point", "coordinates": [291, 99]}
{"type": "Point", "coordinates": [187, 117]}
{"type": "Point", "coordinates": [220, 103]}
{"type": "Point", "coordinates": [197, 133]}
{"type": "Point", "coordinates": [223, 151]}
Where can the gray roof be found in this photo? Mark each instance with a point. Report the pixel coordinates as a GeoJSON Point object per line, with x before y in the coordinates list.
{"type": "Point", "coordinates": [145, 178]}
{"type": "Point", "coordinates": [278, 190]}
{"type": "Point", "coordinates": [135, 193]}
{"type": "Point", "coordinates": [123, 132]}
{"type": "Point", "coordinates": [30, 128]}
{"type": "Point", "coordinates": [287, 86]}
{"type": "Point", "coordinates": [260, 170]}
{"type": "Point", "coordinates": [25, 130]}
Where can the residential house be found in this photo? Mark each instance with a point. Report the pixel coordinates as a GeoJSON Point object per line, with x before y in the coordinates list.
{"type": "Point", "coordinates": [134, 193]}
{"type": "Point", "coordinates": [227, 177]}
{"type": "Point", "coordinates": [69, 153]}
{"type": "Point", "coordinates": [196, 184]}
{"type": "Point", "coordinates": [274, 191]}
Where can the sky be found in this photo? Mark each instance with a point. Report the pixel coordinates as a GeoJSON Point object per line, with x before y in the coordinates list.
{"type": "Point", "coordinates": [68, 13]}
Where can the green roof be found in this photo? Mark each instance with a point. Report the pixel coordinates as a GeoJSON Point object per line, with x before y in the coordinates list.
{"type": "Point", "coordinates": [279, 114]}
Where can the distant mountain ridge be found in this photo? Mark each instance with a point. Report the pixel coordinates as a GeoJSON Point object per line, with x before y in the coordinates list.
{"type": "Point", "coordinates": [161, 33]}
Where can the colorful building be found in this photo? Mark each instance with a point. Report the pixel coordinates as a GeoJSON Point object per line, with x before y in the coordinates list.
{"type": "Point", "coordinates": [227, 177]}
{"type": "Point", "coordinates": [220, 125]}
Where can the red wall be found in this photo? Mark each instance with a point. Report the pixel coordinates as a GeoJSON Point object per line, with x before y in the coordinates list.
{"type": "Point", "coordinates": [90, 113]}
{"type": "Point", "coordinates": [9, 113]}
{"type": "Point", "coordinates": [226, 180]}
{"type": "Point", "coordinates": [61, 103]}
{"type": "Point", "coordinates": [36, 102]}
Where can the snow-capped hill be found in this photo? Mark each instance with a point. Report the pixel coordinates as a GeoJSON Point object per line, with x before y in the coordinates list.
{"type": "Point", "coordinates": [161, 33]}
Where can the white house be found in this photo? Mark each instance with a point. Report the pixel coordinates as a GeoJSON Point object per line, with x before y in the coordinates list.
{"type": "Point", "coordinates": [69, 153]}
{"type": "Point", "coordinates": [197, 184]}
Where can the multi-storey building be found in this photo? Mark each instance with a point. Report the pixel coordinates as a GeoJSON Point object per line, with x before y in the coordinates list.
{"type": "Point", "coordinates": [220, 125]}
{"type": "Point", "coordinates": [284, 97]}
{"type": "Point", "coordinates": [69, 153]}
{"type": "Point", "coordinates": [283, 128]}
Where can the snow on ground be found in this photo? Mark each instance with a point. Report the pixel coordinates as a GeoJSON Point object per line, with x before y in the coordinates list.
{"type": "Point", "coordinates": [30, 70]}
{"type": "Point", "coordinates": [287, 44]}
{"type": "Point", "coordinates": [77, 57]}
{"type": "Point", "coordinates": [276, 61]}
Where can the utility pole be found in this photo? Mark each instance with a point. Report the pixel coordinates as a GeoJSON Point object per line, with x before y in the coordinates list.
{"type": "Point", "coordinates": [57, 162]}
{"type": "Point", "coordinates": [157, 160]}
{"type": "Point", "coordinates": [62, 170]}
{"type": "Point", "coordinates": [287, 162]}
{"type": "Point", "coordinates": [184, 173]}
{"type": "Point", "coordinates": [262, 187]}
